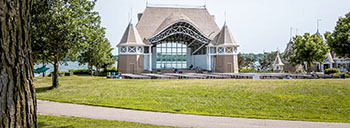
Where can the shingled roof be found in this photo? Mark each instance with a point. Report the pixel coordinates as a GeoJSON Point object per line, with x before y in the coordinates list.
{"type": "Point", "coordinates": [155, 19]}
{"type": "Point", "coordinates": [131, 37]}
{"type": "Point", "coordinates": [224, 38]}
{"type": "Point", "coordinates": [278, 61]}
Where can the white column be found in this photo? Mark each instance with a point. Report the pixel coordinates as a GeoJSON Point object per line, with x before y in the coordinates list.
{"type": "Point", "coordinates": [150, 58]}
{"type": "Point", "coordinates": [209, 59]}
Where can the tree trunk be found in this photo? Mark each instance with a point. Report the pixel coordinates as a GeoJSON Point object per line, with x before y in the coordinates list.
{"type": "Point", "coordinates": [97, 70]}
{"type": "Point", "coordinates": [308, 68]}
{"type": "Point", "coordinates": [55, 82]}
{"type": "Point", "coordinates": [44, 72]}
{"type": "Point", "coordinates": [17, 93]}
{"type": "Point", "coordinates": [91, 71]}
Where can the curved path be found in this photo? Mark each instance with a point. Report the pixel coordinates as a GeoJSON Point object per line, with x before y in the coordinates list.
{"type": "Point", "coordinates": [170, 119]}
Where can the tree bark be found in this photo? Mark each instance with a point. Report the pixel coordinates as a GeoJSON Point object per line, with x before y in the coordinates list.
{"type": "Point", "coordinates": [17, 93]}
{"type": "Point", "coordinates": [308, 68]}
{"type": "Point", "coordinates": [44, 72]}
{"type": "Point", "coordinates": [55, 82]}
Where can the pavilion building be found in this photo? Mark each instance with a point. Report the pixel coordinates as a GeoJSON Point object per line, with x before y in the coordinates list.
{"type": "Point", "coordinates": [168, 38]}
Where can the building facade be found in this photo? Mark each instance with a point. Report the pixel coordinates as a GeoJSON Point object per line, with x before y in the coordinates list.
{"type": "Point", "coordinates": [332, 61]}
{"type": "Point", "coordinates": [177, 38]}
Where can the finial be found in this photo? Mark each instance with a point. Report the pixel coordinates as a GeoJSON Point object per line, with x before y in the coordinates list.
{"type": "Point", "coordinates": [205, 3]}
{"type": "Point", "coordinates": [225, 18]}
{"type": "Point", "coordinates": [130, 16]}
{"type": "Point", "coordinates": [296, 31]}
{"type": "Point", "coordinates": [146, 3]}
{"type": "Point", "coordinates": [291, 34]}
{"type": "Point", "coordinates": [318, 24]}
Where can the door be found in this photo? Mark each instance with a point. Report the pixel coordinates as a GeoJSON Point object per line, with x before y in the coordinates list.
{"type": "Point", "coordinates": [132, 68]}
{"type": "Point", "coordinates": [229, 67]}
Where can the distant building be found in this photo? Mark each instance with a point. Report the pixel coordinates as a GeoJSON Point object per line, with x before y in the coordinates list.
{"type": "Point", "coordinates": [277, 65]}
{"type": "Point", "coordinates": [332, 61]}
{"type": "Point", "coordinates": [288, 66]}
{"type": "Point", "coordinates": [166, 38]}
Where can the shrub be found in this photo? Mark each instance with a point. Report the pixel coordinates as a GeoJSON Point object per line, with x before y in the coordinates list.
{"type": "Point", "coordinates": [331, 71]}
{"type": "Point", "coordinates": [300, 71]}
{"type": "Point", "coordinates": [113, 69]}
{"type": "Point", "coordinates": [80, 71]}
{"type": "Point", "coordinates": [246, 70]}
{"type": "Point", "coordinates": [68, 74]}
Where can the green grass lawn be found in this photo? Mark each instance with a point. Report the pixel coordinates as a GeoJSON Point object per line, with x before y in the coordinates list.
{"type": "Point", "coordinates": [311, 100]}
{"type": "Point", "coordinates": [46, 121]}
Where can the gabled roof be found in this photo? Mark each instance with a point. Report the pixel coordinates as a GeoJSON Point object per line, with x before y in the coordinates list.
{"type": "Point", "coordinates": [288, 48]}
{"type": "Point", "coordinates": [131, 37]}
{"type": "Point", "coordinates": [156, 18]}
{"type": "Point", "coordinates": [224, 38]}
{"type": "Point", "coordinates": [278, 61]}
{"type": "Point", "coordinates": [330, 58]}
{"type": "Point", "coordinates": [176, 16]}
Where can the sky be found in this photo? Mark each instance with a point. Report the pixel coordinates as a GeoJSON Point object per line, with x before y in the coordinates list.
{"type": "Point", "coordinates": [257, 25]}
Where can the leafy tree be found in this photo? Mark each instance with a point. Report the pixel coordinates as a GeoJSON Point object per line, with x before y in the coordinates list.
{"type": "Point", "coordinates": [308, 49]}
{"type": "Point", "coordinates": [339, 40]}
{"type": "Point", "coordinates": [98, 52]}
{"type": "Point", "coordinates": [17, 92]}
{"type": "Point", "coordinates": [245, 60]}
{"type": "Point", "coordinates": [58, 27]}
{"type": "Point", "coordinates": [267, 60]}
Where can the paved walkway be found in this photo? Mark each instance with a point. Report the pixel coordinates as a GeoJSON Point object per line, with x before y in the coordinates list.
{"type": "Point", "coordinates": [170, 119]}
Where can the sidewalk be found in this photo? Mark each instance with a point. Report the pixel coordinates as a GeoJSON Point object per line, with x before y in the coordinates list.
{"type": "Point", "coordinates": [170, 119]}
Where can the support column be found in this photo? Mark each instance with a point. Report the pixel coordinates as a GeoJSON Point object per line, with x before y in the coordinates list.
{"type": "Point", "coordinates": [209, 59]}
{"type": "Point", "coordinates": [150, 58]}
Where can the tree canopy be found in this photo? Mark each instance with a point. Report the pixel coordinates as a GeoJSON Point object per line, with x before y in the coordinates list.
{"type": "Point", "coordinates": [339, 40]}
{"type": "Point", "coordinates": [63, 29]}
{"type": "Point", "coordinates": [308, 49]}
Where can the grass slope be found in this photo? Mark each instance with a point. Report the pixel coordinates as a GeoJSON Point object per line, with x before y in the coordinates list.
{"type": "Point", "coordinates": [311, 100]}
{"type": "Point", "coordinates": [46, 121]}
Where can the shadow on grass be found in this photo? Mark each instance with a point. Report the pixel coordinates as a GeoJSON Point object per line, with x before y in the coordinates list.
{"type": "Point", "coordinates": [44, 125]}
{"type": "Point", "coordinates": [43, 89]}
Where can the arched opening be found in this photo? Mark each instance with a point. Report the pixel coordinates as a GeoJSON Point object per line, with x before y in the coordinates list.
{"type": "Point", "coordinates": [178, 46]}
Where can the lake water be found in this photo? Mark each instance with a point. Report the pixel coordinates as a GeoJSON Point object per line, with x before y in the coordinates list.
{"type": "Point", "coordinates": [64, 67]}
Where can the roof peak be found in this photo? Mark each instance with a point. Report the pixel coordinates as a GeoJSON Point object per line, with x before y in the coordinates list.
{"type": "Point", "coordinates": [225, 38]}
{"type": "Point", "coordinates": [278, 61]}
{"type": "Point", "coordinates": [175, 6]}
{"type": "Point", "coordinates": [131, 37]}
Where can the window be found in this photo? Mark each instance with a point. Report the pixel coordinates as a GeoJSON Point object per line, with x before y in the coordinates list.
{"type": "Point", "coordinates": [139, 49]}
{"type": "Point", "coordinates": [171, 55]}
{"type": "Point", "coordinates": [212, 50]}
{"type": "Point", "coordinates": [123, 49]}
{"type": "Point", "coordinates": [220, 50]}
{"type": "Point", "coordinates": [146, 50]}
{"type": "Point", "coordinates": [132, 49]}
{"type": "Point", "coordinates": [228, 50]}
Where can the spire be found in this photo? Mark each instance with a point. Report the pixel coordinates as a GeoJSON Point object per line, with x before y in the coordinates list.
{"type": "Point", "coordinates": [278, 61]}
{"type": "Point", "coordinates": [318, 25]}
{"type": "Point", "coordinates": [131, 37]}
{"type": "Point", "coordinates": [131, 15]}
{"type": "Point", "coordinates": [225, 38]}
{"type": "Point", "coordinates": [291, 34]}
{"type": "Point", "coordinates": [225, 18]}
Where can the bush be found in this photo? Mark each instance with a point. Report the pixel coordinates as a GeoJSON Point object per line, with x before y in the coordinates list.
{"type": "Point", "coordinates": [331, 71]}
{"type": "Point", "coordinates": [246, 70]}
{"type": "Point", "coordinates": [80, 71]}
{"type": "Point", "coordinates": [300, 71]}
{"type": "Point", "coordinates": [113, 69]}
{"type": "Point", "coordinates": [68, 74]}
